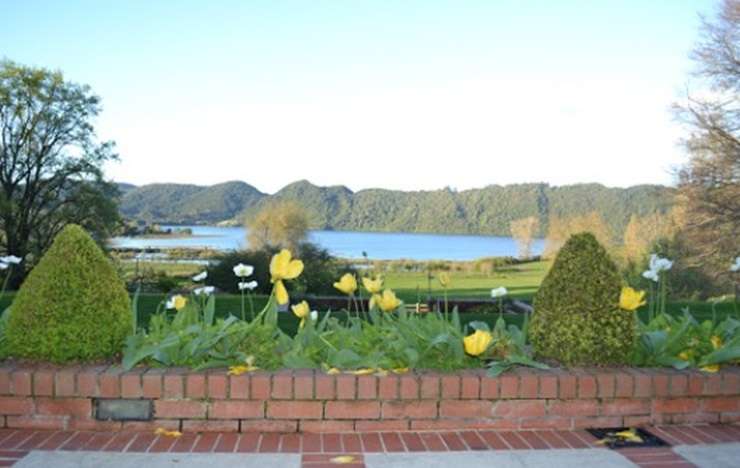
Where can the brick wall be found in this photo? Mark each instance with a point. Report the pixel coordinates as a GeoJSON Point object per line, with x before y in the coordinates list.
{"type": "Point", "coordinates": [62, 398]}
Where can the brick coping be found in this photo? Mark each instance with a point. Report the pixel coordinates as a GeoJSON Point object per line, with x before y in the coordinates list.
{"type": "Point", "coordinates": [62, 398]}
{"type": "Point", "coordinates": [321, 448]}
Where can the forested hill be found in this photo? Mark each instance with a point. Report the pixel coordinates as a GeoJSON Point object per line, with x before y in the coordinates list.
{"type": "Point", "coordinates": [487, 210]}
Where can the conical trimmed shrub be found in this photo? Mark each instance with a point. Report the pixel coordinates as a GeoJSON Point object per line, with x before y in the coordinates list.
{"type": "Point", "coordinates": [72, 307]}
{"type": "Point", "coordinates": [577, 319]}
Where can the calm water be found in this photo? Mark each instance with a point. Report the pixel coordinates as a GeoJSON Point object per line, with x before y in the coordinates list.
{"type": "Point", "coordinates": [378, 245]}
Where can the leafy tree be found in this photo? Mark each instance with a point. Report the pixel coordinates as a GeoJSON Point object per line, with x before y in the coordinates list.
{"type": "Point", "coordinates": [50, 161]}
{"type": "Point", "coordinates": [278, 224]}
{"type": "Point", "coordinates": [561, 229]}
{"type": "Point", "coordinates": [709, 184]}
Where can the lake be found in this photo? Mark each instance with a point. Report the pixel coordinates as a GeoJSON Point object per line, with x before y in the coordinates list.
{"type": "Point", "coordinates": [378, 245]}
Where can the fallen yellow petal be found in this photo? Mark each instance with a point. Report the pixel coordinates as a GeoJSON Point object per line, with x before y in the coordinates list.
{"type": "Point", "coordinates": [366, 371]}
{"type": "Point", "coordinates": [400, 370]}
{"type": "Point", "coordinates": [343, 459]}
{"type": "Point", "coordinates": [333, 371]}
{"type": "Point", "coordinates": [712, 368]}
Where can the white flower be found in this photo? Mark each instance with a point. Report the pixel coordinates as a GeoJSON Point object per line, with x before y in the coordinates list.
{"type": "Point", "coordinates": [242, 271]}
{"type": "Point", "coordinates": [658, 264]}
{"type": "Point", "coordinates": [207, 290]}
{"type": "Point", "coordinates": [200, 276]}
{"type": "Point", "coordinates": [3, 266]}
{"type": "Point", "coordinates": [736, 266]}
{"type": "Point", "coordinates": [499, 292]}
{"type": "Point", "coordinates": [11, 259]}
{"type": "Point", "coordinates": [247, 285]}
{"type": "Point", "coordinates": [651, 275]}
{"type": "Point", "coordinates": [314, 315]}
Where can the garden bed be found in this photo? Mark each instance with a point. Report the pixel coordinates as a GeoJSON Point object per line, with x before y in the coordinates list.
{"type": "Point", "coordinates": [47, 397]}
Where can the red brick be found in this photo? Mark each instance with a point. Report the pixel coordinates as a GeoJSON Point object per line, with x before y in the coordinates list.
{"type": "Point", "coordinates": [676, 405]}
{"type": "Point", "coordinates": [489, 387]}
{"type": "Point", "coordinates": [367, 387]}
{"type": "Point", "coordinates": [660, 384]}
{"type": "Point", "coordinates": [643, 384]}
{"type": "Point", "coordinates": [150, 426]}
{"type": "Point", "coordinates": [548, 384]}
{"type": "Point", "coordinates": [218, 385]}
{"type": "Point", "coordinates": [730, 382]}
{"type": "Point", "coordinates": [722, 404]}
{"type": "Point", "coordinates": [64, 382]}
{"type": "Point", "coordinates": [409, 409]}
{"type": "Point", "coordinates": [637, 421]}
{"type": "Point", "coordinates": [151, 383]}
{"type": "Point", "coordinates": [586, 386]}
{"type": "Point", "coordinates": [325, 388]}
{"type": "Point", "coordinates": [694, 418]}
{"type": "Point", "coordinates": [696, 383]}
{"type": "Point", "coordinates": [558, 423]}
{"type": "Point", "coordinates": [43, 382]}
{"type": "Point", "coordinates": [229, 409]}
{"type": "Point", "coordinates": [131, 386]}
{"type": "Point", "coordinates": [519, 409]}
{"type": "Point", "coordinates": [465, 408]}
{"type": "Point", "coordinates": [282, 385]}
{"type": "Point", "coordinates": [294, 409]}
{"type": "Point", "coordinates": [303, 385]}
{"type": "Point", "coordinates": [409, 387]}
{"type": "Point", "coordinates": [451, 387]}
{"type": "Point", "coordinates": [239, 387]}
{"type": "Point", "coordinates": [195, 385]}
{"type": "Point", "coordinates": [268, 426]}
{"type": "Point", "coordinates": [5, 381]}
{"type": "Point", "coordinates": [625, 407]}
{"type": "Point", "coordinates": [606, 383]}
{"type": "Point", "coordinates": [470, 386]}
{"type": "Point", "coordinates": [259, 386]}
{"type": "Point", "coordinates": [77, 407]}
{"type": "Point", "coordinates": [509, 386]}
{"type": "Point", "coordinates": [109, 382]}
{"type": "Point", "coordinates": [388, 387]}
{"type": "Point", "coordinates": [574, 408]}
{"type": "Point", "coordinates": [87, 382]}
{"type": "Point", "coordinates": [183, 409]}
{"type": "Point", "coordinates": [78, 424]}
{"type": "Point", "coordinates": [346, 388]}
{"type": "Point", "coordinates": [679, 384]}
{"type": "Point", "coordinates": [527, 384]}
{"type": "Point", "coordinates": [429, 387]}
{"type": "Point", "coordinates": [326, 426]}
{"type": "Point", "coordinates": [712, 384]}
{"type": "Point", "coordinates": [568, 385]}
{"type": "Point", "coordinates": [174, 384]}
{"type": "Point", "coordinates": [21, 379]}
{"type": "Point", "coordinates": [382, 426]}
{"type": "Point", "coordinates": [460, 424]}
{"type": "Point", "coordinates": [210, 426]}
{"type": "Point", "coordinates": [37, 422]}
{"type": "Point", "coordinates": [352, 410]}
{"type": "Point", "coordinates": [599, 421]}
{"type": "Point", "coordinates": [15, 405]}
{"type": "Point", "coordinates": [624, 387]}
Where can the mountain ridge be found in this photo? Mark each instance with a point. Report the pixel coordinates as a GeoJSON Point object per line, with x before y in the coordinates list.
{"type": "Point", "coordinates": [486, 210]}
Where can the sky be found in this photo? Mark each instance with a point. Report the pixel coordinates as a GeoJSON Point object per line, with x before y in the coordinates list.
{"type": "Point", "coordinates": [411, 95]}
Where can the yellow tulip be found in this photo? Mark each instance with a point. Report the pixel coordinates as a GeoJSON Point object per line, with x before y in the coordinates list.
{"type": "Point", "coordinates": [477, 343]}
{"type": "Point", "coordinates": [388, 302]}
{"type": "Point", "coordinates": [712, 368]}
{"type": "Point", "coordinates": [716, 342]}
{"type": "Point", "coordinates": [347, 284]}
{"type": "Point", "coordinates": [444, 279]}
{"type": "Point", "coordinates": [374, 300]}
{"type": "Point", "coordinates": [179, 302]}
{"type": "Point", "coordinates": [630, 299]}
{"type": "Point", "coordinates": [373, 286]}
{"type": "Point", "coordinates": [301, 310]}
{"type": "Point", "coordinates": [283, 267]}
{"type": "Point", "coordinates": [684, 356]}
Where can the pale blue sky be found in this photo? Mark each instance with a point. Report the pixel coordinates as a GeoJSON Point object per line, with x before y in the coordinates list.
{"type": "Point", "coordinates": [394, 94]}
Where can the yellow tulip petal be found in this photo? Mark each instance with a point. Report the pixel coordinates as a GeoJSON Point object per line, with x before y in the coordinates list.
{"type": "Point", "coordinates": [366, 371]}
{"type": "Point", "coordinates": [281, 294]}
{"type": "Point", "coordinates": [333, 371]}
{"type": "Point", "coordinates": [343, 459]}
{"type": "Point", "coordinates": [477, 343]}
{"type": "Point", "coordinates": [712, 368]}
{"type": "Point", "coordinates": [279, 264]}
{"type": "Point", "coordinates": [301, 310]}
{"type": "Point", "coordinates": [400, 370]}
{"type": "Point", "coordinates": [373, 286]}
{"type": "Point", "coordinates": [716, 342]}
{"type": "Point", "coordinates": [294, 269]}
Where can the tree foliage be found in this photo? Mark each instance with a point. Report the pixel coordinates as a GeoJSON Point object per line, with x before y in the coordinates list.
{"type": "Point", "coordinates": [50, 161]}
{"type": "Point", "coordinates": [576, 317]}
{"type": "Point", "coordinates": [524, 231]}
{"type": "Point", "coordinates": [709, 184]}
{"type": "Point", "coordinates": [279, 224]}
{"type": "Point", "coordinates": [72, 307]}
